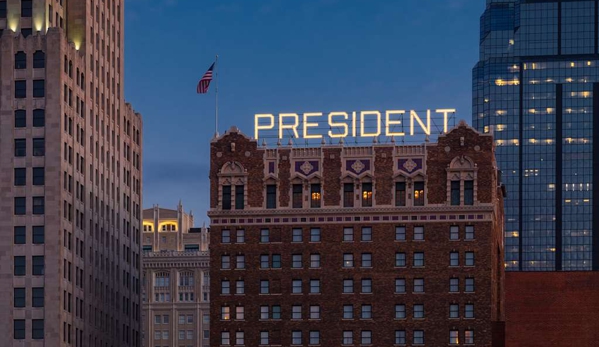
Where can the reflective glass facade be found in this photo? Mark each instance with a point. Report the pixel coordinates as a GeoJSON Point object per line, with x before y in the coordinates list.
{"type": "Point", "coordinates": [536, 87]}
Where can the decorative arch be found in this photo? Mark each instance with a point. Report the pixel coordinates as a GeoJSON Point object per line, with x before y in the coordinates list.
{"type": "Point", "coordinates": [232, 185]}
{"type": "Point", "coordinates": [186, 278]}
{"type": "Point", "coordinates": [162, 279]}
{"type": "Point", "coordinates": [462, 181]}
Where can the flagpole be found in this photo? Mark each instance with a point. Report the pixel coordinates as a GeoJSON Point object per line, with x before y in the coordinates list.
{"type": "Point", "coordinates": [216, 97]}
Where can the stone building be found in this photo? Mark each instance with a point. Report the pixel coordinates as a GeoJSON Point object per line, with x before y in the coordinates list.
{"type": "Point", "coordinates": [372, 246]}
{"type": "Point", "coordinates": [71, 177]}
{"type": "Point", "coordinates": [176, 292]}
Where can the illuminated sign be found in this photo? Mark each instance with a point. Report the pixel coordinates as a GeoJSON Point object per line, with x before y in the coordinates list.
{"type": "Point", "coordinates": [316, 125]}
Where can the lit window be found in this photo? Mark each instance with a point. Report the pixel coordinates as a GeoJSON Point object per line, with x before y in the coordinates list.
{"type": "Point", "coordinates": [348, 260]}
{"type": "Point", "coordinates": [418, 193]}
{"type": "Point", "coordinates": [225, 313]}
{"type": "Point", "coordinates": [366, 194]}
{"type": "Point", "coordinates": [453, 337]}
{"type": "Point", "coordinates": [315, 195]}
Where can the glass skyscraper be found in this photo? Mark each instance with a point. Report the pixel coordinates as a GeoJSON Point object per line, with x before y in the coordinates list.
{"type": "Point", "coordinates": [536, 87]}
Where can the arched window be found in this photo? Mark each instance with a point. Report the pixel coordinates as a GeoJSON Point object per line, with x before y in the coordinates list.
{"type": "Point", "coordinates": [39, 60]}
{"type": "Point", "coordinates": [186, 279]}
{"type": "Point", "coordinates": [20, 60]}
{"type": "Point", "coordinates": [162, 279]}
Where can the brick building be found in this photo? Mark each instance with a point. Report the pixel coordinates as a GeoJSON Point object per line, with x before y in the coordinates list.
{"type": "Point", "coordinates": [381, 245]}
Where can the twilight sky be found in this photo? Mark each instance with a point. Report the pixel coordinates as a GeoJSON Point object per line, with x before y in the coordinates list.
{"type": "Point", "coordinates": [283, 56]}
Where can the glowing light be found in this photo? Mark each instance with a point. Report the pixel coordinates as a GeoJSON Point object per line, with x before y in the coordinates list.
{"type": "Point", "coordinates": [293, 126]}
{"type": "Point", "coordinates": [307, 125]}
{"type": "Point", "coordinates": [589, 63]}
{"type": "Point", "coordinates": [258, 127]}
{"type": "Point", "coordinates": [572, 64]}
{"type": "Point", "coordinates": [549, 110]}
{"type": "Point", "coordinates": [512, 42]}
{"type": "Point", "coordinates": [394, 122]}
{"type": "Point", "coordinates": [414, 116]}
{"type": "Point", "coordinates": [343, 125]}
{"type": "Point", "coordinates": [363, 115]}
{"type": "Point", "coordinates": [569, 79]}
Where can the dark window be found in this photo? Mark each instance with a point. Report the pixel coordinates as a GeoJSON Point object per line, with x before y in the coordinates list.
{"type": "Point", "coordinates": [38, 205]}
{"type": "Point", "coordinates": [19, 329]}
{"type": "Point", "coordinates": [271, 196]}
{"type": "Point", "coordinates": [37, 265]}
{"type": "Point", "coordinates": [20, 235]}
{"type": "Point", "coordinates": [37, 329]}
{"type": "Point", "coordinates": [468, 192]}
{"type": "Point", "coordinates": [455, 193]}
{"type": "Point", "coordinates": [3, 9]}
{"type": "Point", "coordinates": [39, 118]}
{"type": "Point", "coordinates": [366, 194]}
{"type": "Point", "coordinates": [348, 195]}
{"type": "Point", "coordinates": [194, 247]}
{"type": "Point", "coordinates": [418, 193]}
{"type": "Point", "coordinates": [20, 206]}
{"type": "Point", "coordinates": [20, 148]}
{"type": "Point", "coordinates": [39, 88]}
{"type": "Point", "coordinates": [37, 297]}
{"type": "Point", "coordinates": [20, 176]}
{"type": "Point", "coordinates": [20, 89]}
{"type": "Point", "coordinates": [38, 234]}
{"type": "Point", "coordinates": [39, 59]}
{"type": "Point", "coordinates": [38, 176]}
{"type": "Point", "coordinates": [26, 8]}
{"type": "Point", "coordinates": [226, 197]}
{"type": "Point", "coordinates": [239, 197]}
{"type": "Point", "coordinates": [26, 32]}
{"type": "Point", "coordinates": [20, 60]}
{"type": "Point", "coordinates": [147, 248]}
{"type": "Point", "coordinates": [297, 195]}
{"type": "Point", "coordinates": [19, 297]}
{"type": "Point", "coordinates": [315, 195]}
{"type": "Point", "coordinates": [39, 147]}
{"type": "Point", "coordinates": [400, 194]}
{"type": "Point", "coordinates": [20, 119]}
{"type": "Point", "coordinates": [20, 266]}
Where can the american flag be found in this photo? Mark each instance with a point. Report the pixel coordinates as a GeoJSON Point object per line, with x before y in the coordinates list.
{"type": "Point", "coordinates": [205, 81]}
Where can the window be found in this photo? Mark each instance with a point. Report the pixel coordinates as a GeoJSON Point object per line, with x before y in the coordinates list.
{"type": "Point", "coordinates": [20, 60]}
{"type": "Point", "coordinates": [348, 286]}
{"type": "Point", "coordinates": [240, 236]}
{"type": "Point", "coordinates": [469, 311]}
{"type": "Point", "coordinates": [3, 9]}
{"type": "Point", "coordinates": [418, 193]}
{"type": "Point", "coordinates": [296, 235]}
{"type": "Point", "coordinates": [469, 258]}
{"type": "Point", "coordinates": [240, 262]}
{"type": "Point", "coordinates": [225, 338]}
{"type": "Point", "coordinates": [276, 261]}
{"type": "Point", "coordinates": [296, 261]}
{"type": "Point", "coordinates": [26, 8]}
{"type": "Point", "coordinates": [348, 311]}
{"type": "Point", "coordinates": [366, 259]}
{"type": "Point", "coordinates": [454, 311]}
{"type": "Point", "coordinates": [239, 197]}
{"type": "Point", "coordinates": [366, 234]}
{"type": "Point", "coordinates": [225, 313]}
{"type": "Point", "coordinates": [19, 297]}
{"type": "Point", "coordinates": [418, 259]}
{"type": "Point", "coordinates": [264, 261]}
{"type": "Point", "coordinates": [225, 262]}
{"type": "Point", "coordinates": [455, 193]}
{"type": "Point", "coordinates": [314, 286]}
{"type": "Point", "coordinates": [418, 337]}
{"type": "Point", "coordinates": [315, 260]}
{"type": "Point", "coordinates": [454, 285]}
{"type": "Point", "coordinates": [315, 235]}
{"type": "Point", "coordinates": [226, 201]}
{"type": "Point", "coordinates": [366, 194]}
{"type": "Point", "coordinates": [366, 337]}
{"type": "Point", "coordinates": [454, 259]}
{"type": "Point", "coordinates": [296, 337]}
{"type": "Point", "coordinates": [418, 233]}
{"type": "Point", "coordinates": [400, 194]}
{"type": "Point", "coordinates": [366, 285]}
{"type": "Point", "coordinates": [297, 196]}
{"type": "Point", "coordinates": [348, 260]}
{"type": "Point", "coordinates": [20, 208]}
{"type": "Point", "coordinates": [239, 338]}
{"type": "Point", "coordinates": [39, 118]}
{"type": "Point", "coordinates": [39, 88]}
{"type": "Point", "coordinates": [264, 235]}
{"type": "Point", "coordinates": [314, 312]}
{"type": "Point", "coordinates": [20, 118]}
{"type": "Point", "coordinates": [276, 312]}
{"type": "Point", "coordinates": [366, 312]}
{"type": "Point", "coordinates": [38, 265]}
{"type": "Point", "coordinates": [453, 337]}
{"type": "Point", "coordinates": [400, 311]}
{"type": "Point", "coordinates": [296, 312]}
{"type": "Point", "coordinates": [400, 259]}
{"type": "Point", "coordinates": [38, 205]}
{"type": "Point", "coordinates": [158, 319]}
{"type": "Point", "coordinates": [315, 195]}
{"type": "Point", "coordinates": [469, 285]}
{"type": "Point", "coordinates": [469, 337]}
{"type": "Point", "coordinates": [19, 329]}
{"type": "Point", "coordinates": [20, 89]}
{"type": "Point", "coordinates": [468, 192]}
{"type": "Point", "coordinates": [400, 337]}
{"type": "Point", "coordinates": [418, 285]}
{"type": "Point", "coordinates": [225, 287]}
{"type": "Point", "coordinates": [39, 59]}
{"type": "Point", "coordinates": [400, 233]}
{"type": "Point", "coordinates": [37, 299]}
{"type": "Point", "coordinates": [418, 311]}
{"type": "Point", "coordinates": [314, 337]}
{"type": "Point", "coordinates": [348, 337]}
{"type": "Point", "coordinates": [400, 285]}
{"type": "Point", "coordinates": [469, 232]}
{"type": "Point", "coordinates": [454, 232]}
{"type": "Point", "coordinates": [20, 176]}
{"type": "Point", "coordinates": [20, 237]}
{"type": "Point", "coordinates": [20, 148]}
{"type": "Point", "coordinates": [264, 338]}
{"type": "Point", "coordinates": [348, 195]}
{"type": "Point", "coordinates": [264, 287]}
{"type": "Point", "coordinates": [271, 196]}
{"type": "Point", "coordinates": [38, 176]}
{"type": "Point", "coordinates": [240, 287]}
{"type": "Point", "coordinates": [39, 147]}
{"type": "Point", "coordinates": [225, 236]}
{"type": "Point", "coordinates": [348, 234]}
{"type": "Point", "coordinates": [38, 234]}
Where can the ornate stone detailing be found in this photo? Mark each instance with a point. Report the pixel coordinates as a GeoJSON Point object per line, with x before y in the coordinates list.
{"type": "Point", "coordinates": [409, 165]}
{"type": "Point", "coordinates": [306, 167]}
{"type": "Point", "coordinates": [357, 166]}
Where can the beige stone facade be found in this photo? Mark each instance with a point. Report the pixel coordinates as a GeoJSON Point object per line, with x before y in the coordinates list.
{"type": "Point", "coordinates": [70, 177]}
{"type": "Point", "coordinates": [176, 281]}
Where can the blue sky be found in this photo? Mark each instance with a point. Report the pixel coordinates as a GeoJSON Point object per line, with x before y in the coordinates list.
{"type": "Point", "coordinates": [283, 56]}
